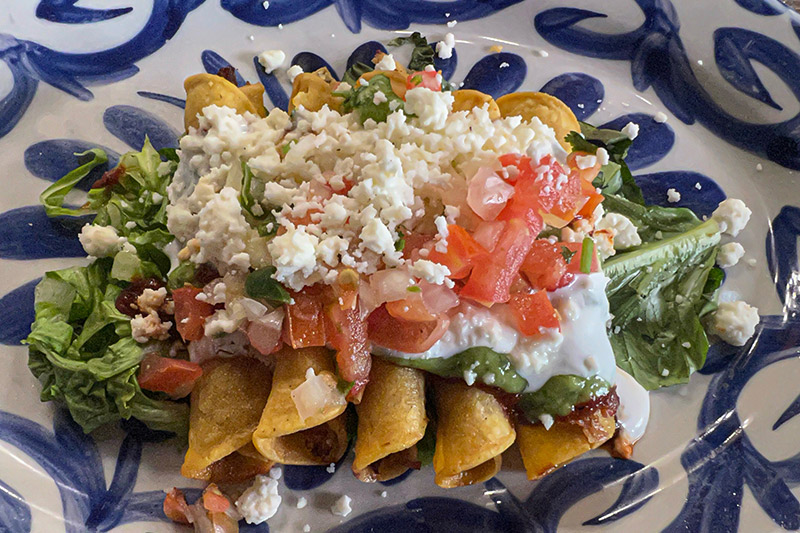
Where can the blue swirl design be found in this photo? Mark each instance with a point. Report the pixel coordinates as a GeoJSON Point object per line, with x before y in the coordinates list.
{"type": "Point", "coordinates": [381, 14]}
{"type": "Point", "coordinates": [31, 63]}
{"type": "Point", "coordinates": [659, 60]}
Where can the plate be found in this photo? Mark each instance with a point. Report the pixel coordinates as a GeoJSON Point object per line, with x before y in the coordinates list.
{"type": "Point", "coordinates": [721, 453]}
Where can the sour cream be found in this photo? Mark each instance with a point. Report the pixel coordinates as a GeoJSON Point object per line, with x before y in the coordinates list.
{"type": "Point", "coordinates": [634, 407]}
{"type": "Point", "coordinates": [581, 347]}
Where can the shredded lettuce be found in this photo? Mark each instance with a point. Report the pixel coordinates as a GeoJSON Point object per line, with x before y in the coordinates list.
{"type": "Point", "coordinates": [362, 99]}
{"type": "Point", "coordinates": [80, 345]}
{"type": "Point", "coordinates": [423, 53]}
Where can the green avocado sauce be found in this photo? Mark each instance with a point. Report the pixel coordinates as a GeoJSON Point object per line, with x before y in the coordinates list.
{"type": "Point", "coordinates": [484, 362]}
{"type": "Point", "coordinates": [561, 394]}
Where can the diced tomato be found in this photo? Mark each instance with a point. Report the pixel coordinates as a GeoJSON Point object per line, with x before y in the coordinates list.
{"type": "Point", "coordinates": [175, 377]}
{"type": "Point", "coordinates": [522, 162]}
{"type": "Point", "coordinates": [190, 313]}
{"type": "Point", "coordinates": [591, 204]}
{"type": "Point", "coordinates": [570, 196]}
{"type": "Point", "coordinates": [585, 174]}
{"type": "Point", "coordinates": [304, 325]}
{"type": "Point", "coordinates": [574, 266]}
{"type": "Point", "coordinates": [175, 507]}
{"type": "Point", "coordinates": [412, 309]}
{"type": "Point", "coordinates": [487, 234]}
{"type": "Point", "coordinates": [424, 78]}
{"type": "Point", "coordinates": [461, 252]}
{"type": "Point", "coordinates": [347, 334]}
{"type": "Point", "coordinates": [403, 335]}
{"type": "Point", "coordinates": [544, 266]}
{"type": "Point", "coordinates": [533, 312]}
{"type": "Point", "coordinates": [214, 501]}
{"type": "Point", "coordinates": [494, 272]}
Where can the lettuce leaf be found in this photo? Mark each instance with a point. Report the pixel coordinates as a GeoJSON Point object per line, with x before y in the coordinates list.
{"type": "Point", "coordinates": [657, 294]}
{"type": "Point", "coordinates": [423, 53]}
{"type": "Point", "coordinates": [80, 345]}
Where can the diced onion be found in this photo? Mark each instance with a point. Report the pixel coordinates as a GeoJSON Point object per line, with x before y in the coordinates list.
{"type": "Point", "coordinates": [265, 333]}
{"type": "Point", "coordinates": [487, 233]}
{"type": "Point", "coordinates": [488, 193]}
{"type": "Point", "coordinates": [317, 394]}
{"type": "Point", "coordinates": [390, 285]}
{"type": "Point", "coordinates": [437, 298]}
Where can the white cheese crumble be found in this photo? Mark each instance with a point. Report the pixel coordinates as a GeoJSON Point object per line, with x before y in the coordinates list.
{"type": "Point", "coordinates": [732, 215]}
{"type": "Point", "coordinates": [271, 60]}
{"type": "Point", "coordinates": [386, 63]}
{"type": "Point", "coordinates": [660, 117]}
{"type": "Point", "coordinates": [341, 192]}
{"type": "Point", "coordinates": [735, 322]}
{"type": "Point", "coordinates": [624, 231]}
{"type": "Point", "coordinates": [631, 130]}
{"type": "Point", "coordinates": [452, 24]}
{"type": "Point", "coordinates": [100, 241]}
{"type": "Point", "coordinates": [293, 72]}
{"type": "Point", "coordinates": [306, 528]}
{"type": "Point", "coordinates": [150, 301]}
{"type": "Point", "coordinates": [260, 501]}
{"type": "Point", "coordinates": [444, 48]}
{"type": "Point", "coordinates": [431, 272]}
{"type": "Point", "coordinates": [673, 196]}
{"type": "Point", "coordinates": [586, 161]}
{"type": "Point", "coordinates": [342, 506]}
{"type": "Point", "coordinates": [379, 98]}
{"type": "Point", "coordinates": [301, 502]}
{"type": "Point", "coordinates": [602, 156]}
{"type": "Point", "coordinates": [144, 328]}
{"type": "Point", "coordinates": [547, 421]}
{"type": "Point", "coordinates": [470, 376]}
{"type": "Point", "coordinates": [331, 468]}
{"type": "Point", "coordinates": [729, 254]}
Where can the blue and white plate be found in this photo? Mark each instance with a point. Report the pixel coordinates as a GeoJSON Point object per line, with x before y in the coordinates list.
{"type": "Point", "coordinates": [721, 453]}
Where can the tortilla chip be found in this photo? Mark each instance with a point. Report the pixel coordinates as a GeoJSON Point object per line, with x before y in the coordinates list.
{"type": "Point", "coordinates": [549, 109]}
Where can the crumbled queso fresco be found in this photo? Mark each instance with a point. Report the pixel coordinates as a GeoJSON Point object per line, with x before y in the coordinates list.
{"type": "Point", "coordinates": [341, 193]}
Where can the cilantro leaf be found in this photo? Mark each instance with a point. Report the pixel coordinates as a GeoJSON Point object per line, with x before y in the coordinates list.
{"type": "Point", "coordinates": [423, 53]}
{"type": "Point", "coordinates": [366, 99]}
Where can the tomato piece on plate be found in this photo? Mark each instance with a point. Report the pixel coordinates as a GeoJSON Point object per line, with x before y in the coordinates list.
{"type": "Point", "coordinates": [424, 78]}
{"type": "Point", "coordinates": [494, 272]}
{"type": "Point", "coordinates": [347, 334]}
{"type": "Point", "coordinates": [533, 312]}
{"type": "Point", "coordinates": [175, 506]}
{"type": "Point", "coordinates": [175, 377]}
{"type": "Point", "coordinates": [544, 266]}
{"type": "Point", "coordinates": [404, 335]}
{"type": "Point", "coordinates": [462, 249]}
{"type": "Point", "coordinates": [304, 325]}
{"type": "Point", "coordinates": [214, 501]}
{"type": "Point", "coordinates": [190, 313]}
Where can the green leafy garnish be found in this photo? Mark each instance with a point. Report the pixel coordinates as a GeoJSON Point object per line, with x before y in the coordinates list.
{"type": "Point", "coordinates": [82, 352]}
{"type": "Point", "coordinates": [53, 197]}
{"type": "Point", "coordinates": [414, 288]}
{"type": "Point", "coordinates": [264, 222]}
{"type": "Point", "coordinates": [567, 254]}
{"type": "Point", "coordinates": [261, 284]}
{"type": "Point", "coordinates": [355, 71]}
{"type": "Point", "coordinates": [181, 275]}
{"type": "Point", "coordinates": [560, 394]}
{"type": "Point", "coordinates": [400, 243]}
{"type": "Point", "coordinates": [615, 177]}
{"type": "Point", "coordinates": [80, 346]}
{"type": "Point", "coordinates": [423, 53]}
{"type": "Point", "coordinates": [657, 294]}
{"type": "Point", "coordinates": [587, 254]}
{"type": "Point", "coordinates": [362, 99]}
{"type": "Point", "coordinates": [427, 444]}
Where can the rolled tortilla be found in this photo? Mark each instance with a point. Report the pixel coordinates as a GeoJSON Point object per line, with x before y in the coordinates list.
{"type": "Point", "coordinates": [319, 437]}
{"type": "Point", "coordinates": [207, 89]}
{"type": "Point", "coordinates": [472, 431]}
{"type": "Point", "coordinates": [226, 406]}
{"type": "Point", "coordinates": [391, 420]}
{"type": "Point", "coordinates": [240, 466]}
{"type": "Point", "coordinates": [544, 450]}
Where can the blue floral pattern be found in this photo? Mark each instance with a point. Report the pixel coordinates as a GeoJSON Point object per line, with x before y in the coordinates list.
{"type": "Point", "coordinates": [720, 462]}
